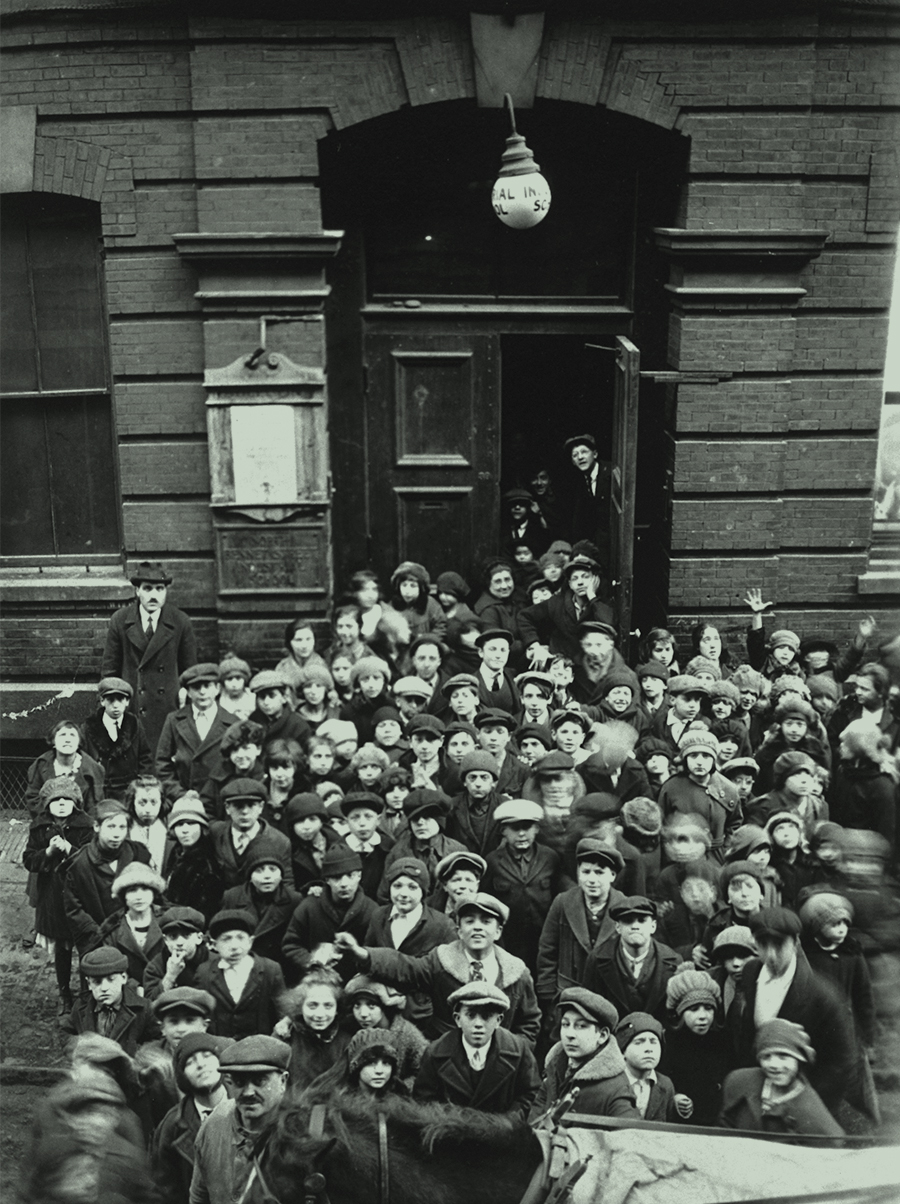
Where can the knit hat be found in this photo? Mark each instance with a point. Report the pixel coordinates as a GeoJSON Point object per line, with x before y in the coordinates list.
{"type": "Point", "coordinates": [187, 809]}
{"type": "Point", "coordinates": [789, 763]}
{"type": "Point", "coordinates": [115, 685]}
{"type": "Point", "coordinates": [702, 664]}
{"type": "Point", "coordinates": [370, 665]}
{"type": "Point", "coordinates": [452, 583]}
{"type": "Point", "coordinates": [777, 922]}
{"type": "Point", "coordinates": [340, 860]}
{"type": "Point", "coordinates": [788, 684]}
{"type": "Point", "coordinates": [591, 1006]}
{"type": "Point", "coordinates": [535, 731]}
{"type": "Point", "coordinates": [642, 816]}
{"type": "Point", "coordinates": [725, 689]}
{"type": "Point", "coordinates": [747, 679]}
{"type": "Point", "coordinates": [652, 669]}
{"type": "Point", "coordinates": [739, 869]}
{"type": "Point", "coordinates": [745, 840]}
{"type": "Point", "coordinates": [698, 739]}
{"type": "Point", "coordinates": [264, 856]}
{"type": "Point", "coordinates": [103, 961]}
{"type": "Point", "coordinates": [233, 666]}
{"type": "Point", "coordinates": [315, 675]}
{"type": "Point", "coordinates": [384, 715]}
{"type": "Point", "coordinates": [633, 1025]}
{"type": "Point", "coordinates": [371, 1045]}
{"type": "Point", "coordinates": [302, 806]}
{"type": "Point", "coordinates": [137, 874]}
{"type": "Point", "coordinates": [480, 761]}
{"type": "Point", "coordinates": [651, 747]}
{"type": "Point", "coordinates": [683, 683]}
{"type": "Point", "coordinates": [825, 907]}
{"type": "Point", "coordinates": [410, 568]}
{"type": "Point", "coordinates": [385, 996]}
{"type": "Point", "coordinates": [613, 679]}
{"type": "Point", "coordinates": [189, 1045]}
{"type": "Point", "coordinates": [783, 1036]}
{"type": "Point", "coordinates": [686, 988]}
{"type": "Point", "coordinates": [734, 937]}
{"type": "Point", "coordinates": [109, 808]}
{"type": "Point", "coordinates": [794, 708]}
{"type": "Point", "coordinates": [785, 639]}
{"type": "Point", "coordinates": [408, 867]}
{"type": "Point", "coordinates": [784, 817]}
{"type": "Point", "coordinates": [820, 685]}
{"type": "Point", "coordinates": [422, 800]}
{"type": "Point", "coordinates": [55, 788]}
{"type": "Point", "coordinates": [462, 859]}
{"type": "Point", "coordinates": [231, 919]}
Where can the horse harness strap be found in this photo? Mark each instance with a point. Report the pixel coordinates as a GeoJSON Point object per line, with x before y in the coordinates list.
{"type": "Point", "coordinates": [384, 1174]}
{"type": "Point", "coordinates": [315, 1186]}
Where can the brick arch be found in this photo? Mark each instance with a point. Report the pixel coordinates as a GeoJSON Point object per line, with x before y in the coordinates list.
{"type": "Point", "coordinates": [71, 167]}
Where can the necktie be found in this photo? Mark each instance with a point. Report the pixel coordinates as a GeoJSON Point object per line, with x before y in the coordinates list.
{"type": "Point", "coordinates": [497, 680]}
{"type": "Point", "coordinates": [477, 1059]}
{"type": "Point", "coordinates": [476, 971]}
{"type": "Point", "coordinates": [241, 841]}
{"type": "Point", "coordinates": [148, 628]}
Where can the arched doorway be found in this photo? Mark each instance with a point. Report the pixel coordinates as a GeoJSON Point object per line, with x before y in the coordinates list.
{"type": "Point", "coordinates": [462, 354]}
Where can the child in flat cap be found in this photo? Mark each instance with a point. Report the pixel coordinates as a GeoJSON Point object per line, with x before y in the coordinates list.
{"type": "Point", "coordinates": [54, 837]}
{"type": "Point", "coordinates": [631, 969]}
{"type": "Point", "coordinates": [114, 736]}
{"type": "Point", "coordinates": [111, 1006]}
{"type": "Point", "coordinates": [244, 985]}
{"type": "Point", "coordinates": [479, 1064]}
{"type": "Point", "coordinates": [776, 1096]}
{"type": "Point", "coordinates": [189, 750]}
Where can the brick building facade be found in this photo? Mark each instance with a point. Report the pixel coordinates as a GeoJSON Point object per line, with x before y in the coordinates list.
{"type": "Point", "coordinates": [228, 161]}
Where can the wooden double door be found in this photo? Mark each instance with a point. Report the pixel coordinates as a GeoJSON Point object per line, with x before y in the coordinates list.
{"type": "Point", "coordinates": [433, 431]}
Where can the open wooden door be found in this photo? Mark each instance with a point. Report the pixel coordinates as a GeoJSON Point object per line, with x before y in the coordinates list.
{"type": "Point", "coordinates": [432, 418]}
{"type": "Point", "coordinates": [622, 483]}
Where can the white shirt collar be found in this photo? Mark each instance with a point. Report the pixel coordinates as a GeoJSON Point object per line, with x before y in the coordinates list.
{"type": "Point", "coordinates": [477, 1056]}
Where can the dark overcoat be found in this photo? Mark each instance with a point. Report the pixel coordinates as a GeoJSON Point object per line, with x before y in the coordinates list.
{"type": "Point", "coordinates": [605, 975]}
{"type": "Point", "coordinates": [183, 760]}
{"type": "Point", "coordinates": [122, 760]}
{"type": "Point", "coordinates": [87, 891]}
{"type": "Point", "coordinates": [565, 942]}
{"type": "Point", "coordinates": [508, 1083]}
{"type": "Point", "coordinates": [257, 1009]}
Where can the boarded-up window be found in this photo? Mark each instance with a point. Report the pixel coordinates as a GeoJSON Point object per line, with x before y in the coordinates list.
{"type": "Point", "coordinates": [58, 492]}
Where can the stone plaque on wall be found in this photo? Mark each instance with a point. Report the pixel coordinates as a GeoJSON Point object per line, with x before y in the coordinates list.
{"type": "Point", "coordinates": [278, 560]}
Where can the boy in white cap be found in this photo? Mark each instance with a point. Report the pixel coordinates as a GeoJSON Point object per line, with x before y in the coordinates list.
{"type": "Point", "coordinates": [479, 1064]}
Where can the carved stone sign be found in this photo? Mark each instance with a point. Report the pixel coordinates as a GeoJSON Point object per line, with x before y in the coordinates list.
{"type": "Point", "coordinates": [286, 558]}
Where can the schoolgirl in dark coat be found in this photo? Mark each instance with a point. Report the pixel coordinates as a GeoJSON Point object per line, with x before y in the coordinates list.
{"type": "Point", "coordinates": [85, 772]}
{"type": "Point", "coordinates": [55, 836]}
{"type": "Point", "coordinates": [696, 1061]}
{"type": "Point", "coordinates": [192, 876]}
{"type": "Point", "coordinates": [527, 884]}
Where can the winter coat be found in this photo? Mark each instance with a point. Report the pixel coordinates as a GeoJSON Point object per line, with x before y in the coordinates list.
{"type": "Point", "coordinates": [772, 748]}
{"type": "Point", "coordinates": [461, 826]}
{"type": "Point", "coordinates": [316, 921]}
{"type": "Point", "coordinates": [527, 888]}
{"type": "Point", "coordinates": [632, 781]}
{"type": "Point", "coordinates": [803, 1113]}
{"type": "Point", "coordinates": [90, 778]}
{"type": "Point", "coordinates": [151, 669]}
{"type": "Point", "coordinates": [811, 809]}
{"type": "Point", "coordinates": [508, 1083]}
{"type": "Point", "coordinates": [273, 913]}
{"type": "Point", "coordinates": [287, 726]}
{"type": "Point", "coordinates": [445, 968]}
{"type": "Point", "coordinates": [762, 660]}
{"type": "Point", "coordinates": [792, 875]}
{"type": "Point", "coordinates": [155, 971]}
{"type": "Point", "coordinates": [603, 1087]}
{"type": "Point", "coordinates": [848, 969]}
{"type": "Point", "coordinates": [605, 974]}
{"type": "Point", "coordinates": [565, 942]}
{"type": "Point", "coordinates": [257, 1009]}
{"type": "Point", "coordinates": [554, 624]}
{"type": "Point", "coordinates": [697, 1067]}
{"type": "Point", "coordinates": [717, 803]}
{"type": "Point", "coordinates": [224, 1159]}
{"type": "Point", "coordinates": [172, 1152]}
{"type": "Point", "coordinates": [183, 760]}
{"type": "Point", "coordinates": [230, 865]}
{"type": "Point", "coordinates": [433, 929]}
{"type": "Point", "coordinates": [314, 1052]}
{"type": "Point", "coordinates": [49, 868]}
{"type": "Point", "coordinates": [862, 796]}
{"type": "Point", "coordinates": [87, 890]}
{"type": "Point", "coordinates": [133, 1026]}
{"type": "Point", "coordinates": [816, 1004]}
{"type": "Point", "coordinates": [194, 878]}
{"type": "Point", "coordinates": [123, 759]}
{"type": "Point", "coordinates": [306, 871]}
{"type": "Point", "coordinates": [116, 931]}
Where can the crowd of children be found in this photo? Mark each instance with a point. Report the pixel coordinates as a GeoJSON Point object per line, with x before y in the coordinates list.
{"type": "Point", "coordinates": [462, 851]}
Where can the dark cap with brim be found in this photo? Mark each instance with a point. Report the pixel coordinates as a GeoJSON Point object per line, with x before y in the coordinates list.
{"type": "Point", "coordinates": [255, 1054]}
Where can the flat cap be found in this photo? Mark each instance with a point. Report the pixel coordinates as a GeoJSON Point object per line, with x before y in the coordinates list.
{"type": "Point", "coordinates": [459, 681]}
{"type": "Point", "coordinates": [655, 669]}
{"type": "Point", "coordinates": [197, 674]}
{"type": "Point", "coordinates": [774, 922]}
{"type": "Point", "coordinates": [569, 715]}
{"type": "Point", "coordinates": [479, 994]}
{"type": "Point", "coordinates": [484, 903]}
{"type": "Point", "coordinates": [588, 1004]}
{"type": "Point", "coordinates": [740, 765]}
{"type": "Point", "coordinates": [254, 1054]}
{"type": "Point", "coordinates": [478, 761]}
{"type": "Point", "coordinates": [554, 762]}
{"type": "Point", "coordinates": [361, 798]}
{"type": "Point", "coordinates": [633, 905]}
{"type": "Point", "coordinates": [494, 717]}
{"type": "Point", "coordinates": [233, 666]}
{"type": "Point", "coordinates": [577, 440]}
{"type": "Point", "coordinates": [425, 725]}
{"type": "Point", "coordinates": [683, 683]}
{"type": "Point", "coordinates": [589, 848]}
{"type": "Point", "coordinates": [411, 686]}
{"type": "Point", "coordinates": [535, 731]}
{"type": "Point", "coordinates": [594, 625]}
{"type": "Point", "coordinates": [408, 867]}
{"type": "Point", "coordinates": [268, 679]}
{"type": "Point", "coordinates": [187, 918]}
{"type": "Point", "coordinates": [231, 919]}
{"type": "Point", "coordinates": [422, 799]}
{"type": "Point", "coordinates": [519, 811]}
{"type": "Point", "coordinates": [534, 677]}
{"type": "Point", "coordinates": [105, 960]}
{"type": "Point", "coordinates": [243, 790]}
{"type": "Point", "coordinates": [190, 999]}
{"type": "Point", "coordinates": [462, 859]}
{"type": "Point", "coordinates": [115, 685]}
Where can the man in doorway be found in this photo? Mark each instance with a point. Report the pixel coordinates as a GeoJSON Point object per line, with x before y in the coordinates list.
{"type": "Point", "coordinates": [590, 511]}
{"type": "Point", "coordinates": [149, 643]}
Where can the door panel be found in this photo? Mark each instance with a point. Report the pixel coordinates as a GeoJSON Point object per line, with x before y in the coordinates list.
{"type": "Point", "coordinates": [622, 482]}
{"type": "Point", "coordinates": [432, 427]}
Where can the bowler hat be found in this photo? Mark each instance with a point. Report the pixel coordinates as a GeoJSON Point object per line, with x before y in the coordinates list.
{"type": "Point", "coordinates": [479, 994]}
{"type": "Point", "coordinates": [230, 919]}
{"type": "Point", "coordinates": [150, 572]}
{"type": "Point", "coordinates": [105, 960]}
{"type": "Point", "coordinates": [633, 905]}
{"type": "Point", "coordinates": [115, 685]}
{"type": "Point", "coordinates": [190, 999]}
{"type": "Point", "coordinates": [187, 918]}
{"type": "Point", "coordinates": [254, 1054]}
{"type": "Point", "coordinates": [484, 903]}
{"type": "Point", "coordinates": [340, 860]}
{"type": "Point", "coordinates": [243, 790]}
{"type": "Point", "coordinates": [197, 674]}
{"type": "Point", "coordinates": [408, 867]}
{"type": "Point", "coordinates": [588, 1004]}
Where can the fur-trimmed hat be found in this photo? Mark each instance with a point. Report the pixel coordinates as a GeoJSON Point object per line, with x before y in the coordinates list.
{"type": "Point", "coordinates": [725, 689]}
{"type": "Point", "coordinates": [789, 763]}
{"type": "Point", "coordinates": [788, 684]}
{"type": "Point", "coordinates": [410, 568]}
{"type": "Point", "coordinates": [643, 816]}
{"type": "Point", "coordinates": [794, 708]}
{"type": "Point", "coordinates": [686, 988]}
{"type": "Point", "coordinates": [55, 788]}
{"type": "Point", "coordinates": [698, 739]}
{"type": "Point", "coordinates": [370, 665]}
{"type": "Point", "coordinates": [137, 874]}
{"type": "Point", "coordinates": [825, 907]}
